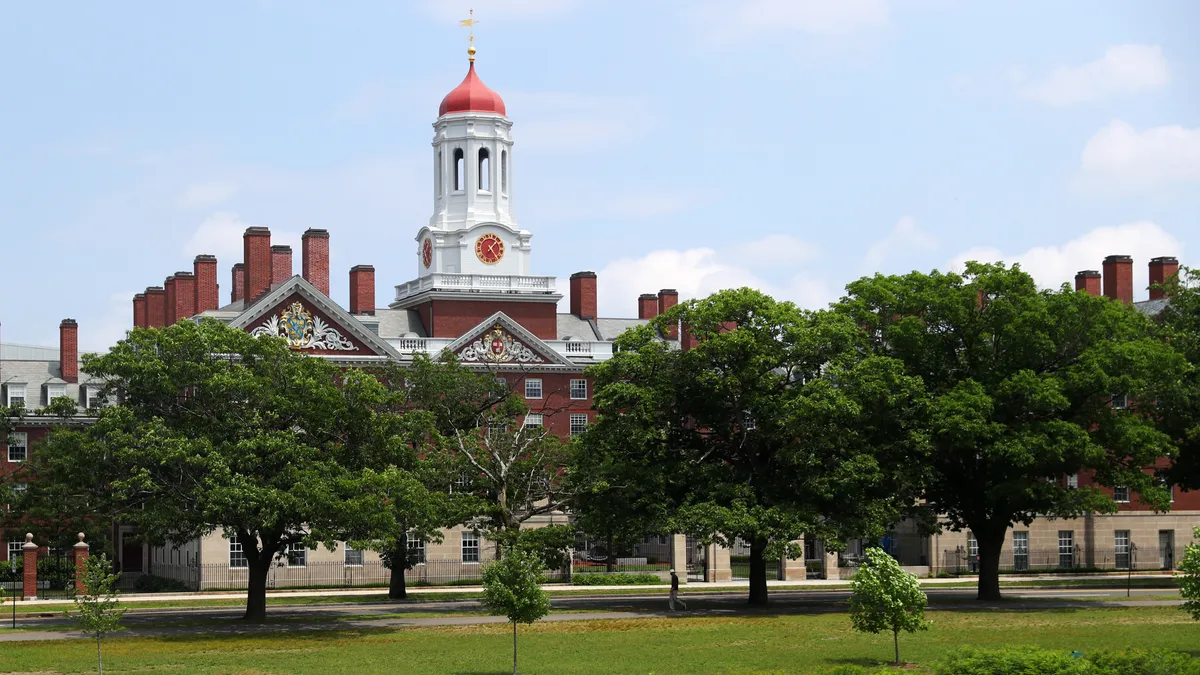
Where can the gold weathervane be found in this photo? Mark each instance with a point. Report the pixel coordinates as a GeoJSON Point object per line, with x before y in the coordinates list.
{"type": "Point", "coordinates": [470, 24]}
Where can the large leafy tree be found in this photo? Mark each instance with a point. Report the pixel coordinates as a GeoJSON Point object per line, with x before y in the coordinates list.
{"type": "Point", "coordinates": [220, 431]}
{"type": "Point", "coordinates": [1179, 409]}
{"type": "Point", "coordinates": [1021, 382]}
{"type": "Point", "coordinates": [776, 424]}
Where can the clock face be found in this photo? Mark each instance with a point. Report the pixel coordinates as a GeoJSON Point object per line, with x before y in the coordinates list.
{"type": "Point", "coordinates": [427, 253]}
{"type": "Point", "coordinates": [489, 249]}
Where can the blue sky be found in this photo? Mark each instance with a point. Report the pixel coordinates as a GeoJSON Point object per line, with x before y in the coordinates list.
{"type": "Point", "coordinates": [793, 145]}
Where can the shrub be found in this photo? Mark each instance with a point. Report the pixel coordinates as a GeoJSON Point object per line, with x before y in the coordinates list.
{"type": "Point", "coordinates": [149, 583]}
{"type": "Point", "coordinates": [1013, 661]}
{"type": "Point", "coordinates": [616, 579]}
{"type": "Point", "coordinates": [1144, 662]}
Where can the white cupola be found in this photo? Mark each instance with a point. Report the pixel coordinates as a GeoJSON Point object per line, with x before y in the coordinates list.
{"type": "Point", "coordinates": [473, 230]}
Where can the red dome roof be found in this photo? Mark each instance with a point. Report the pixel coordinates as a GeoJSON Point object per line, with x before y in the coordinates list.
{"type": "Point", "coordinates": [472, 96]}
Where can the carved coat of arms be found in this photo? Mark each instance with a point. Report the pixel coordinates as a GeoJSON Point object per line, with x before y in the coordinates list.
{"type": "Point", "coordinates": [497, 346]}
{"type": "Point", "coordinates": [303, 330]}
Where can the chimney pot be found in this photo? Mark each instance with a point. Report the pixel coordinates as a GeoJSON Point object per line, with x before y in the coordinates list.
{"type": "Point", "coordinates": [281, 264]}
{"type": "Point", "coordinates": [1088, 280]}
{"type": "Point", "coordinates": [314, 263]}
{"type": "Point", "coordinates": [256, 254]}
{"type": "Point", "coordinates": [647, 306]}
{"type": "Point", "coordinates": [1162, 268]}
{"type": "Point", "coordinates": [239, 282]}
{"type": "Point", "coordinates": [185, 295]}
{"type": "Point", "coordinates": [204, 267]}
{"type": "Point", "coordinates": [362, 289]}
{"type": "Point", "coordinates": [583, 295]}
{"type": "Point", "coordinates": [68, 350]}
{"type": "Point", "coordinates": [139, 310]}
{"type": "Point", "coordinates": [1118, 278]}
{"type": "Point", "coordinates": [156, 307]}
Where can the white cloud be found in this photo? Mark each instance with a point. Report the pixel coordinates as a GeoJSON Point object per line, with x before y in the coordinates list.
{"type": "Point", "coordinates": [733, 20]}
{"type": "Point", "coordinates": [774, 250]}
{"type": "Point", "coordinates": [905, 237]}
{"type": "Point", "coordinates": [1124, 69]}
{"type": "Point", "coordinates": [696, 273]}
{"type": "Point", "coordinates": [1119, 158]}
{"type": "Point", "coordinates": [489, 11]}
{"type": "Point", "coordinates": [208, 194]}
{"type": "Point", "coordinates": [221, 235]}
{"type": "Point", "coordinates": [1052, 266]}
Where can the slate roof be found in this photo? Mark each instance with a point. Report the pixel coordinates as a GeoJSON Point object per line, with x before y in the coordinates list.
{"type": "Point", "coordinates": [394, 323]}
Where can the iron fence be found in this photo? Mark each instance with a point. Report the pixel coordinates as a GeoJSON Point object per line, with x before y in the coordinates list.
{"type": "Point", "coordinates": [1075, 559]}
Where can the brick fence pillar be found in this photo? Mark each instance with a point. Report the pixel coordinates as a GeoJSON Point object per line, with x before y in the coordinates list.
{"type": "Point", "coordinates": [29, 569]}
{"type": "Point", "coordinates": [81, 558]}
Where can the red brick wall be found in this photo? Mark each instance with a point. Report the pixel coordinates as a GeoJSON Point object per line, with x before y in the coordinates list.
{"type": "Point", "coordinates": [185, 295]}
{"type": "Point", "coordinates": [583, 295]}
{"type": "Point", "coordinates": [1118, 277]}
{"type": "Point", "coordinates": [556, 404]}
{"type": "Point", "coordinates": [204, 267]}
{"type": "Point", "coordinates": [452, 318]}
{"type": "Point", "coordinates": [1184, 501]}
{"type": "Point", "coordinates": [139, 310]}
{"type": "Point", "coordinates": [281, 264]}
{"type": "Point", "coordinates": [314, 265]}
{"type": "Point", "coordinates": [1161, 269]}
{"type": "Point", "coordinates": [156, 307]}
{"type": "Point", "coordinates": [68, 349]}
{"type": "Point", "coordinates": [362, 290]}
{"type": "Point", "coordinates": [668, 298]}
{"type": "Point", "coordinates": [239, 282]}
{"type": "Point", "coordinates": [34, 434]}
{"type": "Point", "coordinates": [256, 252]}
{"type": "Point", "coordinates": [1088, 280]}
{"type": "Point", "coordinates": [171, 307]}
{"type": "Point", "coordinates": [647, 306]}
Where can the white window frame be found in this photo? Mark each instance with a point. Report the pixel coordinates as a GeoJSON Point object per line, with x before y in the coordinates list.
{"type": "Point", "coordinates": [575, 423]}
{"type": "Point", "coordinates": [298, 551]}
{"type": "Point", "coordinates": [16, 553]}
{"type": "Point", "coordinates": [22, 443]}
{"type": "Point", "coordinates": [1073, 481]}
{"type": "Point", "coordinates": [534, 420]}
{"type": "Point", "coordinates": [346, 556]}
{"type": "Point", "coordinates": [579, 389]}
{"type": "Point", "coordinates": [1066, 547]}
{"type": "Point", "coordinates": [1120, 401]}
{"type": "Point", "coordinates": [91, 395]}
{"type": "Point", "coordinates": [237, 553]}
{"type": "Point", "coordinates": [418, 544]}
{"type": "Point", "coordinates": [533, 387]}
{"type": "Point", "coordinates": [1121, 494]}
{"type": "Point", "coordinates": [55, 390]}
{"type": "Point", "coordinates": [472, 551]}
{"type": "Point", "coordinates": [15, 390]}
{"type": "Point", "coordinates": [1122, 546]}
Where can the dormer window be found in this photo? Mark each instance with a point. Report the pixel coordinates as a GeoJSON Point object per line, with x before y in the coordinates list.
{"type": "Point", "coordinates": [91, 396]}
{"type": "Point", "coordinates": [15, 394]}
{"type": "Point", "coordinates": [54, 391]}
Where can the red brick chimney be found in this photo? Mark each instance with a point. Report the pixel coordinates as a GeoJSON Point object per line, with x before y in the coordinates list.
{"type": "Point", "coordinates": [1118, 278]}
{"type": "Point", "coordinates": [668, 298]}
{"type": "Point", "coordinates": [281, 264]}
{"type": "Point", "coordinates": [68, 350]}
{"type": "Point", "coordinates": [314, 263]}
{"type": "Point", "coordinates": [205, 269]}
{"type": "Point", "coordinates": [583, 295]}
{"type": "Point", "coordinates": [256, 254]}
{"type": "Point", "coordinates": [1161, 269]}
{"type": "Point", "coordinates": [1088, 280]}
{"type": "Point", "coordinates": [239, 282]}
{"type": "Point", "coordinates": [169, 288]}
{"type": "Point", "coordinates": [362, 289]}
{"type": "Point", "coordinates": [185, 295]}
{"type": "Point", "coordinates": [647, 306]}
{"type": "Point", "coordinates": [139, 310]}
{"type": "Point", "coordinates": [156, 307]}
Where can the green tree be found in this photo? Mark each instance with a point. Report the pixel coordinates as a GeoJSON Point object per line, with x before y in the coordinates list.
{"type": "Point", "coordinates": [775, 425]}
{"type": "Point", "coordinates": [1179, 409]}
{"type": "Point", "coordinates": [1189, 580]}
{"type": "Point", "coordinates": [97, 609]}
{"type": "Point", "coordinates": [885, 597]}
{"type": "Point", "coordinates": [221, 430]}
{"type": "Point", "coordinates": [1021, 381]}
{"type": "Point", "coordinates": [512, 588]}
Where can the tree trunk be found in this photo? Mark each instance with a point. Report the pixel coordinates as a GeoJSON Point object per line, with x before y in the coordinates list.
{"type": "Point", "coordinates": [514, 648]}
{"type": "Point", "coordinates": [896, 643]}
{"type": "Point", "coordinates": [609, 566]}
{"type": "Point", "coordinates": [758, 572]}
{"type": "Point", "coordinates": [99, 658]}
{"type": "Point", "coordinates": [397, 589]}
{"type": "Point", "coordinates": [990, 544]}
{"type": "Point", "coordinates": [256, 590]}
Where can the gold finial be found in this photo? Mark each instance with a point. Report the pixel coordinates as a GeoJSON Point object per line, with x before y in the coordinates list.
{"type": "Point", "coordinates": [470, 24]}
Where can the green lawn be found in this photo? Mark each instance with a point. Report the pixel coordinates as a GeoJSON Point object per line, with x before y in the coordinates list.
{"type": "Point", "coordinates": [676, 645]}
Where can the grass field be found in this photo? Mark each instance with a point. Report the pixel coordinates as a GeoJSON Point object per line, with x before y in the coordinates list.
{"type": "Point", "coordinates": [744, 645]}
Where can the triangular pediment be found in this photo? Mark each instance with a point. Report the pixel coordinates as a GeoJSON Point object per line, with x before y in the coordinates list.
{"type": "Point", "coordinates": [311, 323]}
{"type": "Point", "coordinates": [500, 341]}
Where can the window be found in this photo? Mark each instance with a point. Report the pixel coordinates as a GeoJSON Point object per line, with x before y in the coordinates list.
{"type": "Point", "coordinates": [1120, 401]}
{"type": "Point", "coordinates": [470, 547]}
{"type": "Point", "coordinates": [1073, 481]}
{"type": "Point", "coordinates": [533, 388]}
{"type": "Point", "coordinates": [354, 557]}
{"type": "Point", "coordinates": [1121, 495]}
{"type": "Point", "coordinates": [533, 420]}
{"type": "Point", "coordinates": [578, 390]}
{"type": "Point", "coordinates": [748, 422]}
{"type": "Point", "coordinates": [237, 555]}
{"type": "Point", "coordinates": [437, 175]}
{"type": "Point", "coordinates": [296, 555]}
{"type": "Point", "coordinates": [18, 447]}
{"type": "Point", "coordinates": [416, 549]}
{"type": "Point", "coordinates": [1121, 549]}
{"type": "Point", "coordinates": [459, 166]}
{"type": "Point", "coordinates": [972, 551]}
{"type": "Point", "coordinates": [1020, 551]}
{"type": "Point", "coordinates": [1066, 548]}
{"type": "Point", "coordinates": [503, 381]}
{"type": "Point", "coordinates": [16, 394]}
{"type": "Point", "coordinates": [1168, 487]}
{"type": "Point", "coordinates": [496, 427]}
{"type": "Point", "coordinates": [579, 423]}
{"type": "Point", "coordinates": [504, 171]}
{"type": "Point", "coordinates": [16, 552]}
{"type": "Point", "coordinates": [485, 170]}
{"type": "Point", "coordinates": [54, 391]}
{"type": "Point", "coordinates": [92, 396]}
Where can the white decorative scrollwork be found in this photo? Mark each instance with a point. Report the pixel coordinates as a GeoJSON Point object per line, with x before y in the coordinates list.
{"type": "Point", "coordinates": [302, 330]}
{"type": "Point", "coordinates": [497, 346]}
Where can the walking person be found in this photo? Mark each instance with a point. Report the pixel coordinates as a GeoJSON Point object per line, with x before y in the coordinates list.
{"type": "Point", "coordinates": [675, 592]}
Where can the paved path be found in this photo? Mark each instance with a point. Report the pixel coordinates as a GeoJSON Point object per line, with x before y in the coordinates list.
{"type": "Point", "coordinates": [389, 616]}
